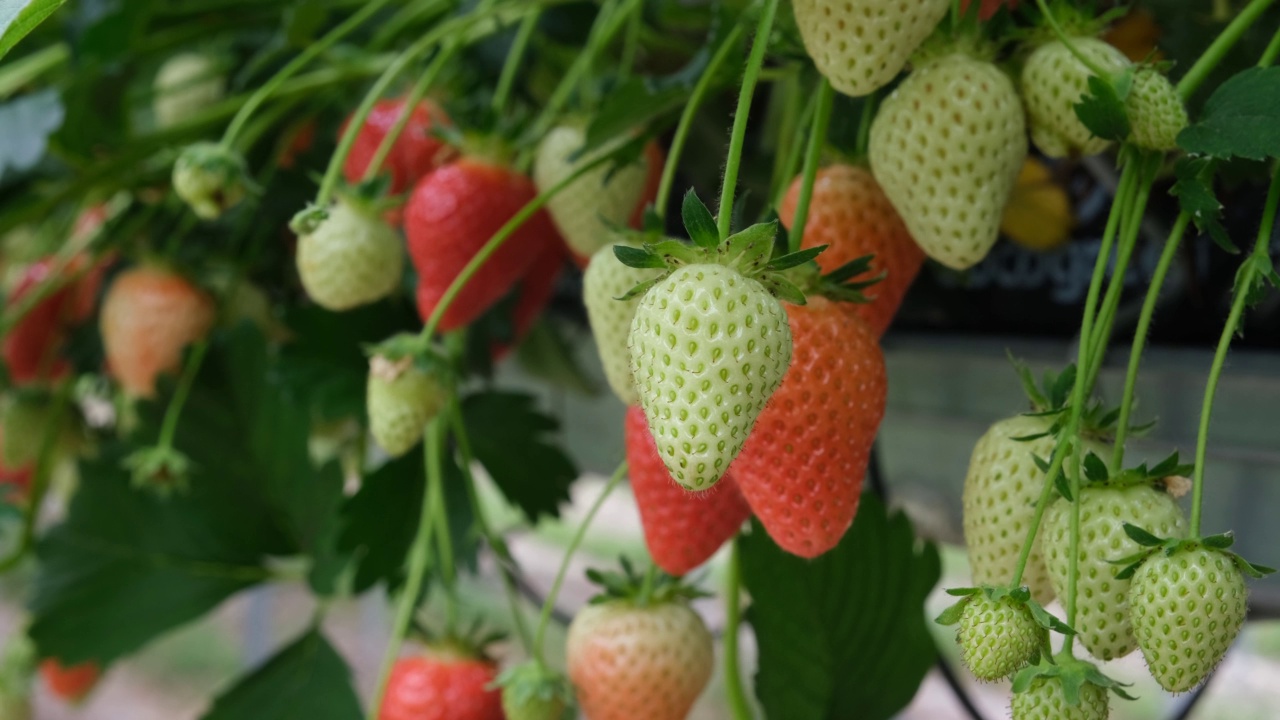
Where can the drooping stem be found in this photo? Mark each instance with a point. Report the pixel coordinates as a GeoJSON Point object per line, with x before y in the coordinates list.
{"type": "Point", "coordinates": [515, 56]}
{"type": "Point", "coordinates": [440, 521]}
{"type": "Point", "coordinates": [737, 139]}
{"type": "Point", "coordinates": [540, 636]}
{"type": "Point", "coordinates": [172, 413]}
{"type": "Point", "coordinates": [1245, 280]}
{"type": "Point", "coordinates": [1073, 542]}
{"type": "Point", "coordinates": [419, 561]}
{"type": "Point", "coordinates": [817, 139]}
{"type": "Point", "coordinates": [1221, 46]}
{"type": "Point", "coordinates": [289, 70]}
{"type": "Point", "coordinates": [869, 105]}
{"type": "Point", "coordinates": [499, 238]}
{"type": "Point", "coordinates": [415, 96]}
{"type": "Point", "coordinates": [1140, 335]}
{"type": "Point", "coordinates": [696, 99]}
{"type": "Point", "coordinates": [1042, 503]}
{"type": "Point", "coordinates": [734, 691]}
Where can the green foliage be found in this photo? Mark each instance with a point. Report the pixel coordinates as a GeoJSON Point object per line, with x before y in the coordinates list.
{"type": "Point", "coordinates": [1102, 108]}
{"type": "Point", "coordinates": [308, 679]}
{"type": "Point", "coordinates": [1240, 119]}
{"type": "Point", "coordinates": [19, 18]}
{"type": "Point", "coordinates": [843, 635]}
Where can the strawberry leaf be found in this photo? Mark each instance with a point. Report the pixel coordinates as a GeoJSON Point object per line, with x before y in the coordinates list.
{"type": "Point", "coordinates": [698, 221]}
{"type": "Point", "coordinates": [17, 19]}
{"type": "Point", "coordinates": [1101, 110]}
{"type": "Point", "coordinates": [1194, 190]}
{"type": "Point", "coordinates": [795, 259]}
{"type": "Point", "coordinates": [1240, 119]}
{"type": "Point", "coordinates": [306, 679]}
{"type": "Point", "coordinates": [816, 619]}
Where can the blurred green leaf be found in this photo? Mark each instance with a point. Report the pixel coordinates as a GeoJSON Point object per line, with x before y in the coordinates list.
{"type": "Point", "coordinates": [308, 679]}
{"type": "Point", "coordinates": [1240, 119]}
{"type": "Point", "coordinates": [20, 17]}
{"type": "Point", "coordinates": [843, 635]}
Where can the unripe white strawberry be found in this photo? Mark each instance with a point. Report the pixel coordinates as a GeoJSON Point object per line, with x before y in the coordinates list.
{"type": "Point", "coordinates": [1044, 700]}
{"type": "Point", "coordinates": [997, 637]}
{"type": "Point", "coordinates": [947, 146]}
{"type": "Point", "coordinates": [1102, 600]}
{"type": "Point", "coordinates": [605, 280]}
{"type": "Point", "coordinates": [1156, 113]}
{"type": "Point", "coordinates": [709, 346]}
{"type": "Point", "coordinates": [352, 258]}
{"type": "Point", "coordinates": [861, 46]}
{"type": "Point", "coordinates": [401, 399]}
{"type": "Point", "coordinates": [186, 84]}
{"type": "Point", "coordinates": [604, 198]}
{"type": "Point", "coordinates": [1053, 81]}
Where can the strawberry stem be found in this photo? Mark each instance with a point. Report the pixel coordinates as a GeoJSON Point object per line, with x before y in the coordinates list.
{"type": "Point", "coordinates": [737, 139]}
{"type": "Point", "coordinates": [515, 55]}
{"type": "Point", "coordinates": [415, 96]}
{"type": "Point", "coordinates": [172, 414]}
{"type": "Point", "coordinates": [539, 638]}
{"type": "Point", "coordinates": [1257, 262]}
{"type": "Point", "coordinates": [696, 99]}
{"type": "Point", "coordinates": [791, 108]}
{"type": "Point", "coordinates": [440, 521]}
{"type": "Point", "coordinates": [1066, 42]}
{"type": "Point", "coordinates": [419, 561]}
{"type": "Point", "coordinates": [817, 139]}
{"type": "Point", "coordinates": [1140, 335]}
{"type": "Point", "coordinates": [737, 696]}
{"type": "Point", "coordinates": [499, 546]}
{"type": "Point", "coordinates": [289, 70]}
{"type": "Point", "coordinates": [1214, 54]}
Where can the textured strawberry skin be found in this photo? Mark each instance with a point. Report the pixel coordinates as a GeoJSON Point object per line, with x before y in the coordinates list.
{"type": "Point", "coordinates": [801, 470]}
{"type": "Point", "coordinates": [1045, 700]}
{"type": "Point", "coordinates": [629, 663]}
{"type": "Point", "coordinates": [451, 215]}
{"type": "Point", "coordinates": [996, 637]}
{"type": "Point", "coordinates": [31, 348]}
{"type": "Point", "coordinates": [682, 529]}
{"type": "Point", "coordinates": [426, 688]}
{"type": "Point", "coordinates": [70, 683]}
{"type": "Point", "coordinates": [850, 214]}
{"type": "Point", "coordinates": [415, 153]}
{"type": "Point", "coordinates": [148, 317]}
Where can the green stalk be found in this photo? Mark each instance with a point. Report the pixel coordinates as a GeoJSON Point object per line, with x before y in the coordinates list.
{"type": "Point", "coordinates": [1244, 282]}
{"type": "Point", "coordinates": [169, 428]}
{"type": "Point", "coordinates": [312, 52]}
{"type": "Point", "coordinates": [749, 79]}
{"type": "Point", "coordinates": [1140, 335]}
{"type": "Point", "coordinates": [499, 238]}
{"type": "Point", "coordinates": [440, 520]}
{"type": "Point", "coordinates": [869, 105]}
{"type": "Point", "coordinates": [1272, 50]}
{"type": "Point", "coordinates": [696, 98]}
{"type": "Point", "coordinates": [1042, 504]}
{"type": "Point", "coordinates": [1221, 46]}
{"type": "Point", "coordinates": [419, 561]}
{"type": "Point", "coordinates": [515, 55]}
{"type": "Point", "coordinates": [631, 42]}
{"type": "Point", "coordinates": [1073, 542]}
{"type": "Point", "coordinates": [415, 96]}
{"type": "Point", "coordinates": [737, 696]}
{"type": "Point", "coordinates": [540, 636]}
{"type": "Point", "coordinates": [785, 110]}
{"type": "Point", "coordinates": [817, 140]}
{"type": "Point", "coordinates": [1093, 67]}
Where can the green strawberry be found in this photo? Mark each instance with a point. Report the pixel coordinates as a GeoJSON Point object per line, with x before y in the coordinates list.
{"type": "Point", "coordinates": [352, 258]}
{"type": "Point", "coordinates": [1000, 493]}
{"type": "Point", "coordinates": [709, 342]}
{"type": "Point", "coordinates": [532, 692]}
{"type": "Point", "coordinates": [1187, 608]}
{"type": "Point", "coordinates": [1053, 82]}
{"type": "Point", "coordinates": [860, 47]}
{"type": "Point", "coordinates": [997, 637]}
{"type": "Point", "coordinates": [1102, 601]}
{"type": "Point", "coordinates": [210, 179]}
{"type": "Point", "coordinates": [604, 198]}
{"type": "Point", "coordinates": [1156, 113]}
{"type": "Point", "coordinates": [401, 399]}
{"type": "Point", "coordinates": [605, 280]}
{"type": "Point", "coordinates": [186, 84]}
{"type": "Point", "coordinates": [947, 146]}
{"type": "Point", "coordinates": [1045, 700]}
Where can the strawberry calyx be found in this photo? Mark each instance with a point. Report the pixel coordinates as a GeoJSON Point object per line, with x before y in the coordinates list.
{"type": "Point", "coordinates": [1075, 19]}
{"type": "Point", "coordinates": [1050, 398]}
{"type": "Point", "coordinates": [532, 683]}
{"type": "Point", "coordinates": [468, 645]}
{"type": "Point", "coordinates": [1019, 595]}
{"type": "Point", "coordinates": [749, 252]}
{"type": "Point", "coordinates": [392, 357]}
{"type": "Point", "coordinates": [1151, 545]}
{"type": "Point", "coordinates": [211, 178]}
{"type": "Point", "coordinates": [844, 284]}
{"type": "Point", "coordinates": [967, 37]}
{"type": "Point", "coordinates": [163, 470]}
{"type": "Point", "coordinates": [1072, 672]}
{"type": "Point", "coordinates": [629, 587]}
{"type": "Point", "coordinates": [488, 148]}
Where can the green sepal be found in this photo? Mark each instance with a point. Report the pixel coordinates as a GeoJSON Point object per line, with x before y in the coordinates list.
{"type": "Point", "coordinates": [675, 254]}
{"type": "Point", "coordinates": [630, 586]}
{"type": "Point", "coordinates": [699, 222]}
{"type": "Point", "coordinates": [1048, 620]}
{"type": "Point", "coordinates": [1142, 537]}
{"type": "Point", "coordinates": [795, 259]}
{"type": "Point", "coordinates": [783, 289]}
{"type": "Point", "coordinates": [963, 592]}
{"type": "Point", "coordinates": [952, 614]}
{"type": "Point", "coordinates": [1102, 110]}
{"type": "Point", "coordinates": [638, 257]}
{"type": "Point", "coordinates": [1071, 673]}
{"type": "Point", "coordinates": [748, 251]}
{"type": "Point", "coordinates": [640, 289]}
{"type": "Point", "coordinates": [163, 470]}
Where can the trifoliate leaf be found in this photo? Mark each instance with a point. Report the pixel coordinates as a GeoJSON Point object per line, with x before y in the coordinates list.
{"type": "Point", "coordinates": [307, 679]}
{"type": "Point", "coordinates": [20, 17]}
{"type": "Point", "coordinates": [1240, 119]}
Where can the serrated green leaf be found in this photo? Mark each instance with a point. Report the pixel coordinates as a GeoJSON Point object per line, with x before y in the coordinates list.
{"type": "Point", "coordinates": [378, 522]}
{"type": "Point", "coordinates": [815, 619]}
{"type": "Point", "coordinates": [699, 222]}
{"type": "Point", "coordinates": [307, 679]}
{"type": "Point", "coordinates": [638, 257]}
{"type": "Point", "coordinates": [1142, 537]}
{"type": "Point", "coordinates": [1101, 110]}
{"type": "Point", "coordinates": [510, 437]}
{"type": "Point", "coordinates": [1195, 193]}
{"type": "Point", "coordinates": [19, 17]}
{"type": "Point", "coordinates": [1240, 119]}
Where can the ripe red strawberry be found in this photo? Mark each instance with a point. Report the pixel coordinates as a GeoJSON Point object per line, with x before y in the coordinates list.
{"type": "Point", "coordinates": [70, 683]}
{"type": "Point", "coordinates": [31, 349]}
{"type": "Point", "coordinates": [443, 684]}
{"type": "Point", "coordinates": [850, 214]}
{"type": "Point", "coordinates": [537, 288]}
{"type": "Point", "coordinates": [451, 215]}
{"type": "Point", "coordinates": [801, 469]}
{"type": "Point", "coordinates": [682, 529]}
{"type": "Point", "coordinates": [415, 153]}
{"type": "Point", "coordinates": [149, 315]}
{"type": "Point", "coordinates": [629, 661]}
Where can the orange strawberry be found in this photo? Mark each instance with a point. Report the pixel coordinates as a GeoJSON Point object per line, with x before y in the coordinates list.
{"type": "Point", "coordinates": [850, 214]}
{"type": "Point", "coordinates": [149, 315]}
{"type": "Point", "coordinates": [801, 469]}
{"type": "Point", "coordinates": [70, 683]}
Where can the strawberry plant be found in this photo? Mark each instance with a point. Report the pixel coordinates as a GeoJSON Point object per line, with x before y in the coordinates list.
{"type": "Point", "coordinates": [278, 277]}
